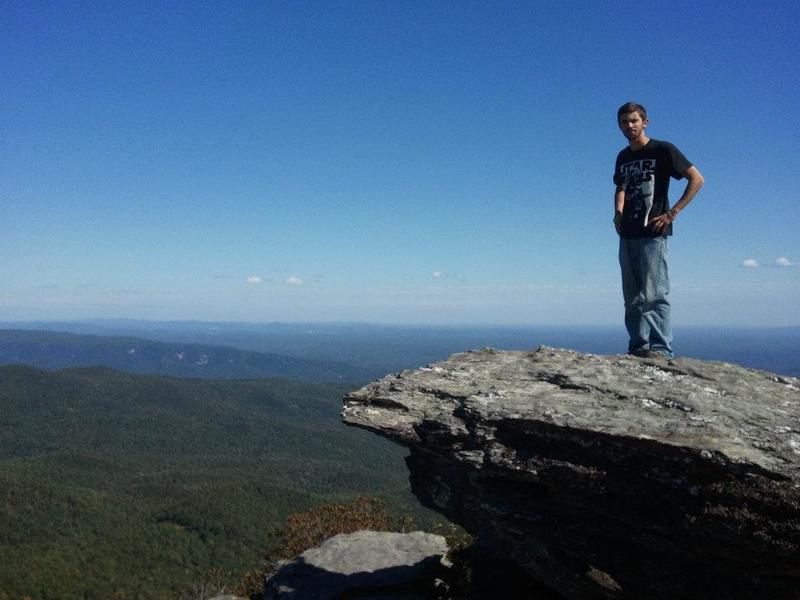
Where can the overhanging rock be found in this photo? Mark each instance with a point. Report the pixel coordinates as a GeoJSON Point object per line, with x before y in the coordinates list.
{"type": "Point", "coordinates": [607, 476]}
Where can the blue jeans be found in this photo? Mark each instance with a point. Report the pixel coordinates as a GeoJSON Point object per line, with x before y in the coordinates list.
{"type": "Point", "coordinates": [645, 286]}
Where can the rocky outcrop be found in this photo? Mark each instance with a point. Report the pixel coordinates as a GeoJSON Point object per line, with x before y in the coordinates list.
{"type": "Point", "coordinates": [364, 564]}
{"type": "Point", "coordinates": [607, 476]}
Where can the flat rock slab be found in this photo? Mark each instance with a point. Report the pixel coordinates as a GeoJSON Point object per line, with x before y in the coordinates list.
{"type": "Point", "coordinates": [362, 564]}
{"type": "Point", "coordinates": [742, 415]}
{"type": "Point", "coordinates": [607, 476]}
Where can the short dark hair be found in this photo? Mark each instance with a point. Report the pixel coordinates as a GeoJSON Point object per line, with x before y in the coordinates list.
{"type": "Point", "coordinates": [630, 107]}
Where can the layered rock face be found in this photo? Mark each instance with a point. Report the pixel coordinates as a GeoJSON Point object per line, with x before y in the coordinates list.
{"type": "Point", "coordinates": [607, 476]}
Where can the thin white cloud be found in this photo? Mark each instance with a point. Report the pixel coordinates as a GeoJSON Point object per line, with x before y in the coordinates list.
{"type": "Point", "coordinates": [784, 262]}
{"type": "Point", "coordinates": [255, 280]}
{"type": "Point", "coordinates": [750, 264]}
{"type": "Point", "coordinates": [294, 280]}
{"type": "Point", "coordinates": [437, 275]}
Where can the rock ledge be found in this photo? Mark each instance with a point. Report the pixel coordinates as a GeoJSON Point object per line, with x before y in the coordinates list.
{"type": "Point", "coordinates": [607, 476]}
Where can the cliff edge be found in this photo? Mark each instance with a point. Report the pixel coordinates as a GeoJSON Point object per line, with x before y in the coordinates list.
{"type": "Point", "coordinates": [607, 476]}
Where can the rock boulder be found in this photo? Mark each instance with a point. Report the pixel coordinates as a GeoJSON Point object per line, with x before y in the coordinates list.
{"type": "Point", "coordinates": [363, 564]}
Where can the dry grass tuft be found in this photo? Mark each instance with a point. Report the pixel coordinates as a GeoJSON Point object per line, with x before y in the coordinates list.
{"type": "Point", "coordinates": [309, 529]}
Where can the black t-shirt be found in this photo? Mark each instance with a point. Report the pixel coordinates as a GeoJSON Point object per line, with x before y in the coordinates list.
{"type": "Point", "coordinates": [645, 175]}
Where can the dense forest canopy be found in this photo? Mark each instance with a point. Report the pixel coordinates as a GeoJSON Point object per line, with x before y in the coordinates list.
{"type": "Point", "coordinates": [117, 485]}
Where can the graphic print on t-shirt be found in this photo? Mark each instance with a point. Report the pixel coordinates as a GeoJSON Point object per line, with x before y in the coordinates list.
{"type": "Point", "coordinates": [639, 177]}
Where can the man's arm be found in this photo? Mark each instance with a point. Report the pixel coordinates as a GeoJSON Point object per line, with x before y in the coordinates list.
{"type": "Point", "coordinates": [619, 204]}
{"type": "Point", "coordinates": [694, 183]}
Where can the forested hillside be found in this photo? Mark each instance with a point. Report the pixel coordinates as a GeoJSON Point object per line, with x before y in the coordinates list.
{"type": "Point", "coordinates": [115, 485]}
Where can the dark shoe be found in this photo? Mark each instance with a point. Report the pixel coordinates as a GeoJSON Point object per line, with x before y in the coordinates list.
{"type": "Point", "coordinates": [647, 353]}
{"type": "Point", "coordinates": [659, 353]}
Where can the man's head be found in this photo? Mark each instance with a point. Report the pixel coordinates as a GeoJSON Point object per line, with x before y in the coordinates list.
{"type": "Point", "coordinates": [630, 107]}
{"type": "Point", "coordinates": [632, 120]}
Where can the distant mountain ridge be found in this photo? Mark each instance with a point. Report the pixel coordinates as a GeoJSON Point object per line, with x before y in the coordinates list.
{"type": "Point", "coordinates": [383, 348]}
{"type": "Point", "coordinates": [57, 349]}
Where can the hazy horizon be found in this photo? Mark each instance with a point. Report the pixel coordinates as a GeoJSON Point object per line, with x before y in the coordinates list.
{"type": "Point", "coordinates": [368, 323]}
{"type": "Point", "coordinates": [380, 348]}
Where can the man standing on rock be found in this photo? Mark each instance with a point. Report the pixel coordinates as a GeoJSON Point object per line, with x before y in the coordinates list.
{"type": "Point", "coordinates": [643, 219]}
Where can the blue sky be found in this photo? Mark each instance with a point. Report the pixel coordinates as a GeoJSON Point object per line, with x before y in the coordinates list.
{"type": "Point", "coordinates": [427, 162]}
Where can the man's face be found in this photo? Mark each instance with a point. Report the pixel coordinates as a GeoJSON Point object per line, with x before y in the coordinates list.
{"type": "Point", "coordinates": [632, 125]}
